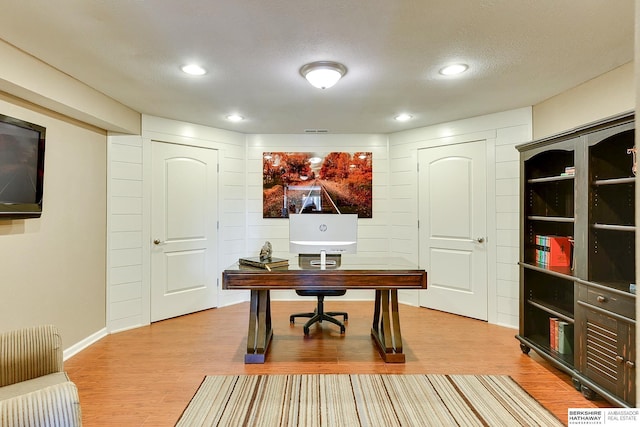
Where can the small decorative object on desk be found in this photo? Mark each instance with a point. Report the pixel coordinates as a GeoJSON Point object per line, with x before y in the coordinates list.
{"type": "Point", "coordinates": [265, 260]}
{"type": "Point", "coordinates": [266, 251]}
{"type": "Point", "coordinates": [267, 264]}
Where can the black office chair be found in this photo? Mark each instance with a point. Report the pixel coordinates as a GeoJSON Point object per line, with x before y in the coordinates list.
{"type": "Point", "coordinates": [319, 314]}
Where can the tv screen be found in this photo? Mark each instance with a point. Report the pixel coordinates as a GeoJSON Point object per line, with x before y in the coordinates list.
{"type": "Point", "coordinates": [21, 168]}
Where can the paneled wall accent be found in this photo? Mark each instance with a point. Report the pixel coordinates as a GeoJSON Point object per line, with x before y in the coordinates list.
{"type": "Point", "coordinates": [125, 307]}
{"type": "Point", "coordinates": [242, 230]}
{"type": "Point", "coordinates": [129, 215]}
{"type": "Point", "coordinates": [502, 131]}
{"type": "Point", "coordinates": [373, 233]}
{"type": "Point", "coordinates": [507, 205]}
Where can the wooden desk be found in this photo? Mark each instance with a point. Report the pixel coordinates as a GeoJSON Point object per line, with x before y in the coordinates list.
{"type": "Point", "coordinates": [385, 275]}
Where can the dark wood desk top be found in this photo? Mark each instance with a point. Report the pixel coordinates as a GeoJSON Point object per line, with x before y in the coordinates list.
{"type": "Point", "coordinates": [352, 273]}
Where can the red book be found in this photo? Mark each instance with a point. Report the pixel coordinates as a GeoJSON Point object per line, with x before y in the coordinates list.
{"type": "Point", "coordinates": [559, 251]}
{"type": "Point", "coordinates": [553, 333]}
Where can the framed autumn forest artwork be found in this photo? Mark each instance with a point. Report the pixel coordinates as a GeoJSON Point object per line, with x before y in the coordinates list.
{"type": "Point", "coordinates": [312, 182]}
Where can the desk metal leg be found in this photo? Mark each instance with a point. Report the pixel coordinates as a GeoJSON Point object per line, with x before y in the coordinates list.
{"type": "Point", "coordinates": [260, 332]}
{"type": "Point", "coordinates": [386, 326]}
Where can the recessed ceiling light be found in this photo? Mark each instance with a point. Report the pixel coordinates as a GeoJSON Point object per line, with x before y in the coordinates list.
{"type": "Point", "coordinates": [403, 117]}
{"type": "Point", "coordinates": [194, 70]}
{"type": "Point", "coordinates": [235, 118]}
{"type": "Point", "coordinates": [454, 69]}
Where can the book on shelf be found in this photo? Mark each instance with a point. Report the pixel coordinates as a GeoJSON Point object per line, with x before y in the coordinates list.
{"type": "Point", "coordinates": [553, 333]}
{"type": "Point", "coordinates": [569, 171]}
{"type": "Point", "coordinates": [565, 338]}
{"type": "Point", "coordinates": [266, 263]}
{"type": "Point", "coordinates": [553, 251]}
{"type": "Point", "coordinates": [560, 336]}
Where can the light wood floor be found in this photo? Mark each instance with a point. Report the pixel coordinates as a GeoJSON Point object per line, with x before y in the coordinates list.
{"type": "Point", "coordinates": [146, 376]}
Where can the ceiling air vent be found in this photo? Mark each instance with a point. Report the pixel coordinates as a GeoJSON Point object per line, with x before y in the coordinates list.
{"type": "Point", "coordinates": [316, 131]}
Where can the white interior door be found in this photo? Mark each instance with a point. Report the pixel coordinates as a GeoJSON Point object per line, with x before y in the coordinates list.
{"type": "Point", "coordinates": [183, 229]}
{"type": "Point", "coordinates": [452, 213]}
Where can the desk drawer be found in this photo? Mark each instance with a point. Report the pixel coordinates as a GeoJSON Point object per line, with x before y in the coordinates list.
{"type": "Point", "coordinates": [610, 301]}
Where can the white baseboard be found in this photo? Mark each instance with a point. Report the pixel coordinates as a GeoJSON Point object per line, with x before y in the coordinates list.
{"type": "Point", "coordinates": [78, 347]}
{"type": "Point", "coordinates": [227, 298]}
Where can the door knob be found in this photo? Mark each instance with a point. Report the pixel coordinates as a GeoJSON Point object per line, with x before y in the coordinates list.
{"type": "Point", "coordinates": [157, 242]}
{"type": "Point", "coordinates": [480, 239]}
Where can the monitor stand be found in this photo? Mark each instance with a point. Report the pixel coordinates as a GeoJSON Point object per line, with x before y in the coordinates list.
{"type": "Point", "coordinates": [322, 262]}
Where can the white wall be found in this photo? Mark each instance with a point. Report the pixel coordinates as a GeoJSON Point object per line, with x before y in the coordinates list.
{"type": "Point", "coordinates": [502, 131]}
{"type": "Point", "coordinates": [125, 267]}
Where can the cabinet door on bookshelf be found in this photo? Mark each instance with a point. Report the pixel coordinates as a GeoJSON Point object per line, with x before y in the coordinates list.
{"type": "Point", "coordinates": [606, 353]}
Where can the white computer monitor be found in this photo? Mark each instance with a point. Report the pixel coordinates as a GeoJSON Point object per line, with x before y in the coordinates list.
{"type": "Point", "coordinates": [322, 234]}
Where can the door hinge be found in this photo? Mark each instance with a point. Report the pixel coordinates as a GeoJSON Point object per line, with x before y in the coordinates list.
{"type": "Point", "coordinates": [217, 225]}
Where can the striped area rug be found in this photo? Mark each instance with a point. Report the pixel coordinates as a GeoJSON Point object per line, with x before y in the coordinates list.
{"type": "Point", "coordinates": [363, 400]}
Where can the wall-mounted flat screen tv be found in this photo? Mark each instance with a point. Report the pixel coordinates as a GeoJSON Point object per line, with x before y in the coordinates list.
{"type": "Point", "coordinates": [21, 168]}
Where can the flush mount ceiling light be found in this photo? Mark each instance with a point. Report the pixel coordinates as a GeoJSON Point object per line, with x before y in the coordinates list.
{"type": "Point", "coordinates": [194, 69]}
{"type": "Point", "coordinates": [403, 117]}
{"type": "Point", "coordinates": [453, 69]}
{"type": "Point", "coordinates": [235, 118]}
{"type": "Point", "coordinates": [323, 74]}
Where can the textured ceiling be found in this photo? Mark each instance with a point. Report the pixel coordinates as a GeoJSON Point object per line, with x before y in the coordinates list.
{"type": "Point", "coordinates": [520, 52]}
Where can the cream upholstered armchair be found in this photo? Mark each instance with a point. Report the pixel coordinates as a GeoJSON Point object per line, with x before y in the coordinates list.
{"type": "Point", "coordinates": [34, 389]}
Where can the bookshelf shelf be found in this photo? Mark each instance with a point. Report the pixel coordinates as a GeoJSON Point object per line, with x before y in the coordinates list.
{"type": "Point", "coordinates": [550, 179]}
{"type": "Point", "coordinates": [552, 310]}
{"type": "Point", "coordinates": [550, 218]}
{"type": "Point", "coordinates": [562, 272]}
{"type": "Point", "coordinates": [615, 181]}
{"type": "Point", "coordinates": [615, 227]}
{"type": "Point", "coordinates": [580, 185]}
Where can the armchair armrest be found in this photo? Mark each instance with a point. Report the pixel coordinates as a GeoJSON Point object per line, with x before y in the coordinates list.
{"type": "Point", "coordinates": [29, 353]}
{"type": "Point", "coordinates": [56, 405]}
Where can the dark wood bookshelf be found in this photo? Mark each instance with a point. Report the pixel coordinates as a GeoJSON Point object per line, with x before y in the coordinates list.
{"type": "Point", "coordinates": [581, 185]}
